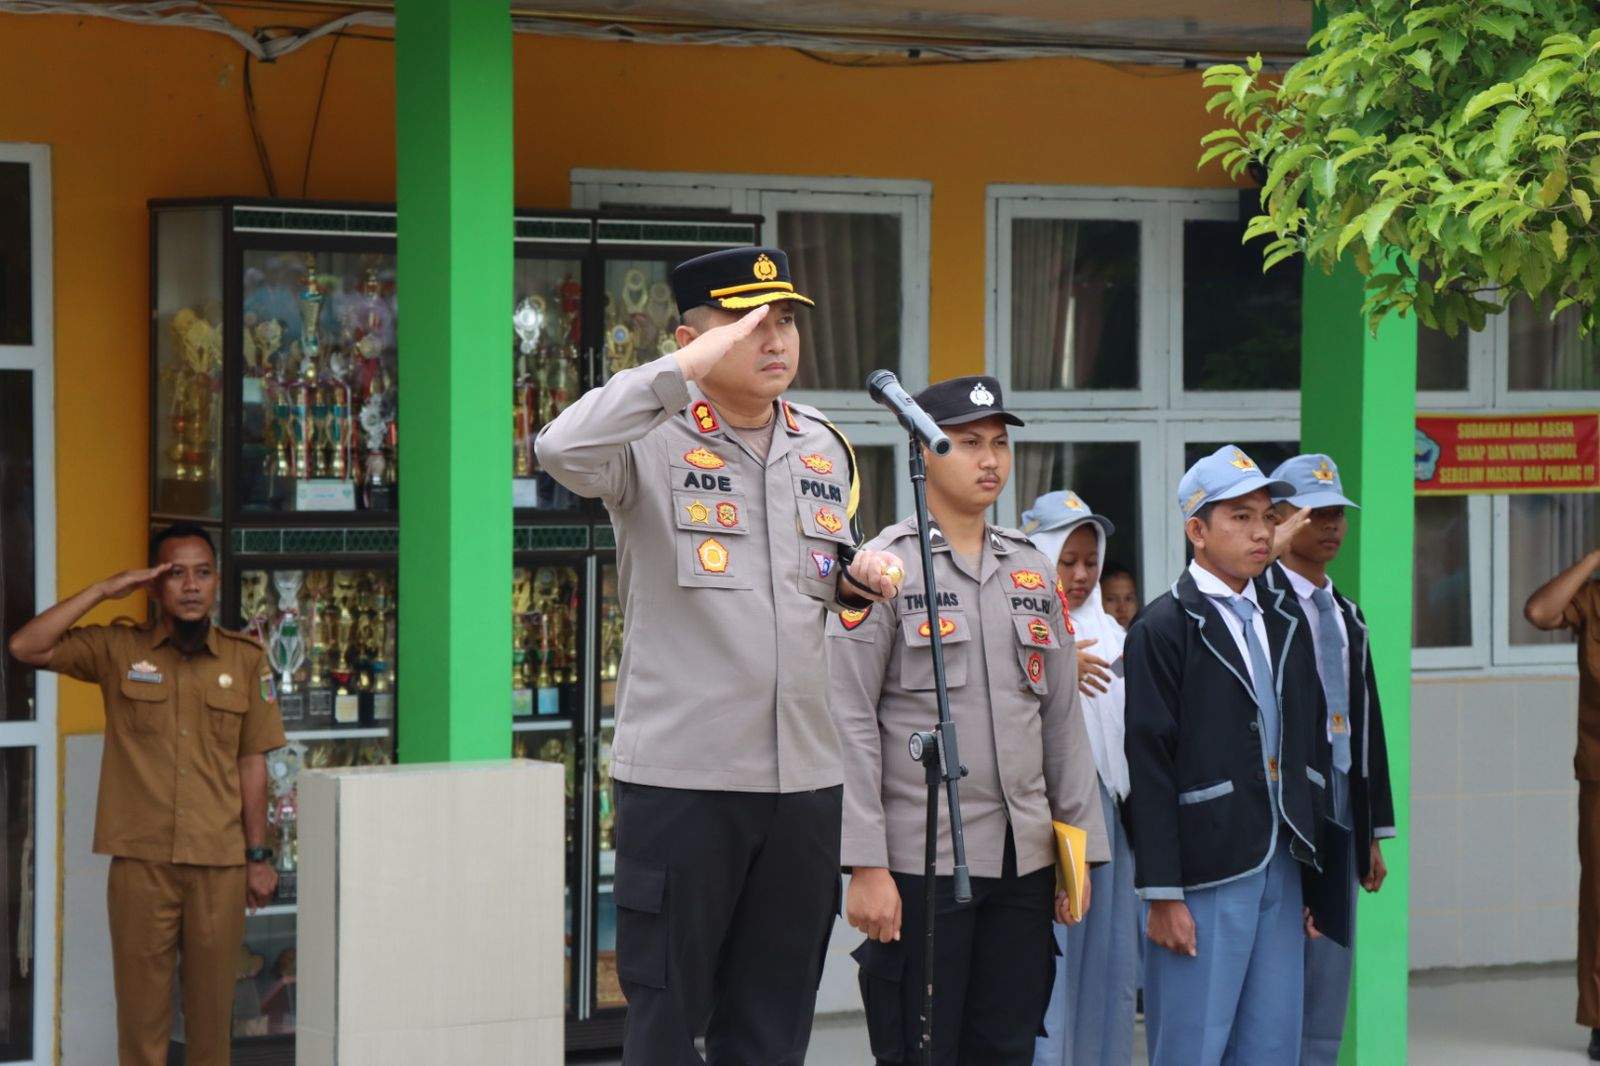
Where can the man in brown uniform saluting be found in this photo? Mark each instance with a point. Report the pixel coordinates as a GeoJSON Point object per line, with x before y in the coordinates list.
{"type": "Point", "coordinates": [733, 509]}
{"type": "Point", "coordinates": [190, 715]}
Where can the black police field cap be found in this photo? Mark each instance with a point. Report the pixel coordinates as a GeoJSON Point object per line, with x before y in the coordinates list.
{"type": "Point", "coordinates": [959, 400]}
{"type": "Point", "coordinates": [735, 279]}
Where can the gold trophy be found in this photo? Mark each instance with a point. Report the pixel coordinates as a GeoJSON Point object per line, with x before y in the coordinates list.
{"type": "Point", "coordinates": [344, 598]}
{"type": "Point", "coordinates": [521, 604]}
{"type": "Point", "coordinates": [199, 355]}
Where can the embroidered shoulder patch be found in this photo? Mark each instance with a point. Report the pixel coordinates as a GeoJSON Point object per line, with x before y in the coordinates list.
{"type": "Point", "coordinates": [704, 417]}
{"type": "Point", "coordinates": [1027, 579]}
{"type": "Point", "coordinates": [1039, 630]}
{"type": "Point", "coordinates": [946, 627]}
{"type": "Point", "coordinates": [1035, 667]}
{"type": "Point", "coordinates": [852, 617]}
{"type": "Point", "coordinates": [828, 519]}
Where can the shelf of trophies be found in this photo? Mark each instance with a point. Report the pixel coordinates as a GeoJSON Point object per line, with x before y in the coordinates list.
{"type": "Point", "coordinates": [608, 988]}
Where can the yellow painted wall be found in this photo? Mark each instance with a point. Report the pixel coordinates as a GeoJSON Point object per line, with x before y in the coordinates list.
{"type": "Point", "coordinates": [133, 113]}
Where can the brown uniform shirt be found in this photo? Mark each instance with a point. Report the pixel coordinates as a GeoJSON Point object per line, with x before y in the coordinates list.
{"type": "Point", "coordinates": [1582, 616]}
{"type": "Point", "coordinates": [176, 726]}
{"type": "Point", "coordinates": [1012, 672]}
{"type": "Point", "coordinates": [728, 562]}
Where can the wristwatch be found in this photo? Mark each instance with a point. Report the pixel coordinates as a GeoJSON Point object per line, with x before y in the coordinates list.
{"type": "Point", "coordinates": [257, 854]}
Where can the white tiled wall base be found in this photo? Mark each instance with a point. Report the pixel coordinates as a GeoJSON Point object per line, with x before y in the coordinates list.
{"type": "Point", "coordinates": [431, 915]}
{"type": "Point", "coordinates": [1494, 821]}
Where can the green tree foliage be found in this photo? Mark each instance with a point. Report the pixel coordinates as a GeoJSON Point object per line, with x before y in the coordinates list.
{"type": "Point", "coordinates": [1463, 135]}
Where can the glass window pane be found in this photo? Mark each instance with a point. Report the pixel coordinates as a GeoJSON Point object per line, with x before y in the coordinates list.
{"type": "Point", "coordinates": [850, 264]}
{"type": "Point", "coordinates": [1548, 534]}
{"type": "Point", "coordinates": [188, 350]}
{"type": "Point", "coordinates": [17, 595]}
{"type": "Point", "coordinates": [641, 316]}
{"type": "Point", "coordinates": [880, 474]}
{"type": "Point", "coordinates": [16, 256]}
{"type": "Point", "coordinates": [1550, 354]}
{"type": "Point", "coordinates": [1241, 328]}
{"type": "Point", "coordinates": [1106, 475]}
{"type": "Point", "coordinates": [1441, 359]}
{"type": "Point", "coordinates": [1441, 593]}
{"type": "Point", "coordinates": [1074, 304]}
{"type": "Point", "coordinates": [1267, 454]}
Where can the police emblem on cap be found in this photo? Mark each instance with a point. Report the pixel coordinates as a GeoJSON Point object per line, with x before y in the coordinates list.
{"type": "Point", "coordinates": [981, 396]}
{"type": "Point", "coordinates": [1242, 461]}
{"type": "Point", "coordinates": [764, 268]}
{"type": "Point", "coordinates": [1323, 473]}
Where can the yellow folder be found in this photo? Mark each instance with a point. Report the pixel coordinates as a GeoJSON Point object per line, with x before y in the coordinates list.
{"type": "Point", "coordinates": [1072, 865]}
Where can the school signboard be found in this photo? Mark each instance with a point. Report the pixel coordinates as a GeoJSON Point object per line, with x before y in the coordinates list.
{"type": "Point", "coordinates": [1553, 451]}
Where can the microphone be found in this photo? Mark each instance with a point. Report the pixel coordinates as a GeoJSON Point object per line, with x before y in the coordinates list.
{"type": "Point", "coordinates": [885, 388]}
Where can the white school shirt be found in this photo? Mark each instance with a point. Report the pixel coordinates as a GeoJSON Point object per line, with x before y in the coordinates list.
{"type": "Point", "coordinates": [1214, 587]}
{"type": "Point", "coordinates": [1303, 588]}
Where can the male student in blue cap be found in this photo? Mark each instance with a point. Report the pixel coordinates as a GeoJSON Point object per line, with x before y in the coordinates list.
{"type": "Point", "coordinates": [1228, 766]}
{"type": "Point", "coordinates": [1359, 785]}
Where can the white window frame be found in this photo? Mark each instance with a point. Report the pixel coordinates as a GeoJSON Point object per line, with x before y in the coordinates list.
{"type": "Point", "coordinates": [1010, 203]}
{"type": "Point", "coordinates": [1149, 435]}
{"type": "Point", "coordinates": [40, 734]}
{"type": "Point", "coordinates": [879, 434]}
{"type": "Point", "coordinates": [765, 195]}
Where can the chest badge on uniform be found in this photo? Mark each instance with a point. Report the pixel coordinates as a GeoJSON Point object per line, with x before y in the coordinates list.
{"type": "Point", "coordinates": [705, 459]}
{"type": "Point", "coordinates": [713, 556]}
{"type": "Point", "coordinates": [225, 680]}
{"type": "Point", "coordinates": [1027, 579]}
{"type": "Point", "coordinates": [852, 617]}
{"type": "Point", "coordinates": [145, 670]}
{"type": "Point", "coordinates": [698, 513]}
{"type": "Point", "coordinates": [1035, 667]}
{"type": "Point", "coordinates": [824, 563]}
{"type": "Point", "coordinates": [829, 520]}
{"type": "Point", "coordinates": [789, 419]}
{"type": "Point", "coordinates": [818, 464]}
{"type": "Point", "coordinates": [704, 417]}
{"type": "Point", "coordinates": [727, 515]}
{"type": "Point", "coordinates": [946, 627]}
{"type": "Point", "coordinates": [1039, 630]}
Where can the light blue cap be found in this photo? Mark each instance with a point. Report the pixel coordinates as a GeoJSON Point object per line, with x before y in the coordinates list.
{"type": "Point", "coordinates": [1059, 509]}
{"type": "Point", "coordinates": [1225, 474]}
{"type": "Point", "coordinates": [1315, 480]}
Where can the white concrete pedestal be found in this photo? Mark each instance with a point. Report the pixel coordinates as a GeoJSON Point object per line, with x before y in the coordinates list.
{"type": "Point", "coordinates": [431, 915]}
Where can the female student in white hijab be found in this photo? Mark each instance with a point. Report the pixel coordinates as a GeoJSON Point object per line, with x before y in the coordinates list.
{"type": "Point", "coordinates": [1090, 1018]}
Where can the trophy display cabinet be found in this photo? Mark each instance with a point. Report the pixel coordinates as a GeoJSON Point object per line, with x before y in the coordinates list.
{"type": "Point", "coordinates": [275, 411]}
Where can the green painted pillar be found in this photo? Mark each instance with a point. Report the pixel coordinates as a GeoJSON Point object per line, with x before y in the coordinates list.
{"type": "Point", "coordinates": [1358, 398]}
{"type": "Point", "coordinates": [454, 194]}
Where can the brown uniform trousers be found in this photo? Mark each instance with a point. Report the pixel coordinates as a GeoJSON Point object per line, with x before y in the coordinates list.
{"type": "Point", "coordinates": [1583, 617]}
{"type": "Point", "coordinates": [170, 817]}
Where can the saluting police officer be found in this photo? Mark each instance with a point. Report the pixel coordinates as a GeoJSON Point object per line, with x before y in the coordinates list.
{"type": "Point", "coordinates": [734, 515]}
{"type": "Point", "coordinates": [190, 715]}
{"type": "Point", "coordinates": [1012, 676]}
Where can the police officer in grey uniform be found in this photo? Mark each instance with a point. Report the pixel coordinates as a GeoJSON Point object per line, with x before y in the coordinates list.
{"type": "Point", "coordinates": [1011, 670]}
{"type": "Point", "coordinates": [734, 512]}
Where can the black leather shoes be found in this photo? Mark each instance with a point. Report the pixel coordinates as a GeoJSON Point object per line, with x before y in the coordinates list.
{"type": "Point", "coordinates": [1594, 1045]}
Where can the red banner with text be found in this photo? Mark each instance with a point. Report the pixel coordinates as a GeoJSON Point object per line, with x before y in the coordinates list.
{"type": "Point", "coordinates": [1557, 451]}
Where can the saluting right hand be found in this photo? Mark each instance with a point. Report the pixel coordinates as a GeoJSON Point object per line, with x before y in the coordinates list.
{"type": "Point", "coordinates": [117, 586]}
{"type": "Point", "coordinates": [1172, 926]}
{"type": "Point", "coordinates": [697, 357]}
{"type": "Point", "coordinates": [873, 903]}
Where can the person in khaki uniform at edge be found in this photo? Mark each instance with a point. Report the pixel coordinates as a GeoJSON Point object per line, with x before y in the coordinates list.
{"type": "Point", "coordinates": [1571, 600]}
{"type": "Point", "coordinates": [735, 536]}
{"type": "Point", "coordinates": [1011, 670]}
{"type": "Point", "coordinates": [190, 715]}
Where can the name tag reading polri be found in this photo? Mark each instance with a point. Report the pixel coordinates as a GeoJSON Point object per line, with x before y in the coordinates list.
{"type": "Point", "coordinates": [144, 671]}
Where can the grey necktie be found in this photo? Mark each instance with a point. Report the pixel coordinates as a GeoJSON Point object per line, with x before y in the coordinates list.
{"type": "Point", "coordinates": [1335, 682]}
{"type": "Point", "coordinates": [1261, 681]}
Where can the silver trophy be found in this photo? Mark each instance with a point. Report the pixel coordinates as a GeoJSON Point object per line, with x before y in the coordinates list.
{"type": "Point", "coordinates": [286, 650]}
{"type": "Point", "coordinates": [528, 322]}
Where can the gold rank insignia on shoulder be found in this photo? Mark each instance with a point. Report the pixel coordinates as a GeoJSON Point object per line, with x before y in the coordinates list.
{"type": "Point", "coordinates": [764, 268]}
{"type": "Point", "coordinates": [713, 556]}
{"type": "Point", "coordinates": [225, 680]}
{"type": "Point", "coordinates": [789, 419]}
{"type": "Point", "coordinates": [829, 520]}
{"type": "Point", "coordinates": [946, 627]}
{"type": "Point", "coordinates": [852, 617]}
{"type": "Point", "coordinates": [817, 464]}
{"type": "Point", "coordinates": [705, 459]}
{"type": "Point", "coordinates": [704, 417]}
{"type": "Point", "coordinates": [698, 513]}
{"type": "Point", "coordinates": [1035, 667]}
{"type": "Point", "coordinates": [1039, 630]}
{"type": "Point", "coordinates": [1027, 579]}
{"type": "Point", "coordinates": [145, 670]}
{"type": "Point", "coordinates": [727, 515]}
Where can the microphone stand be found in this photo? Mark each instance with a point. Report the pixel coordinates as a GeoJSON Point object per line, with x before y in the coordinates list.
{"type": "Point", "coordinates": [936, 750]}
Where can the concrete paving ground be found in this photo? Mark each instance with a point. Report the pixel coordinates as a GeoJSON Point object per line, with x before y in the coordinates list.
{"type": "Point", "coordinates": [1518, 1015]}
